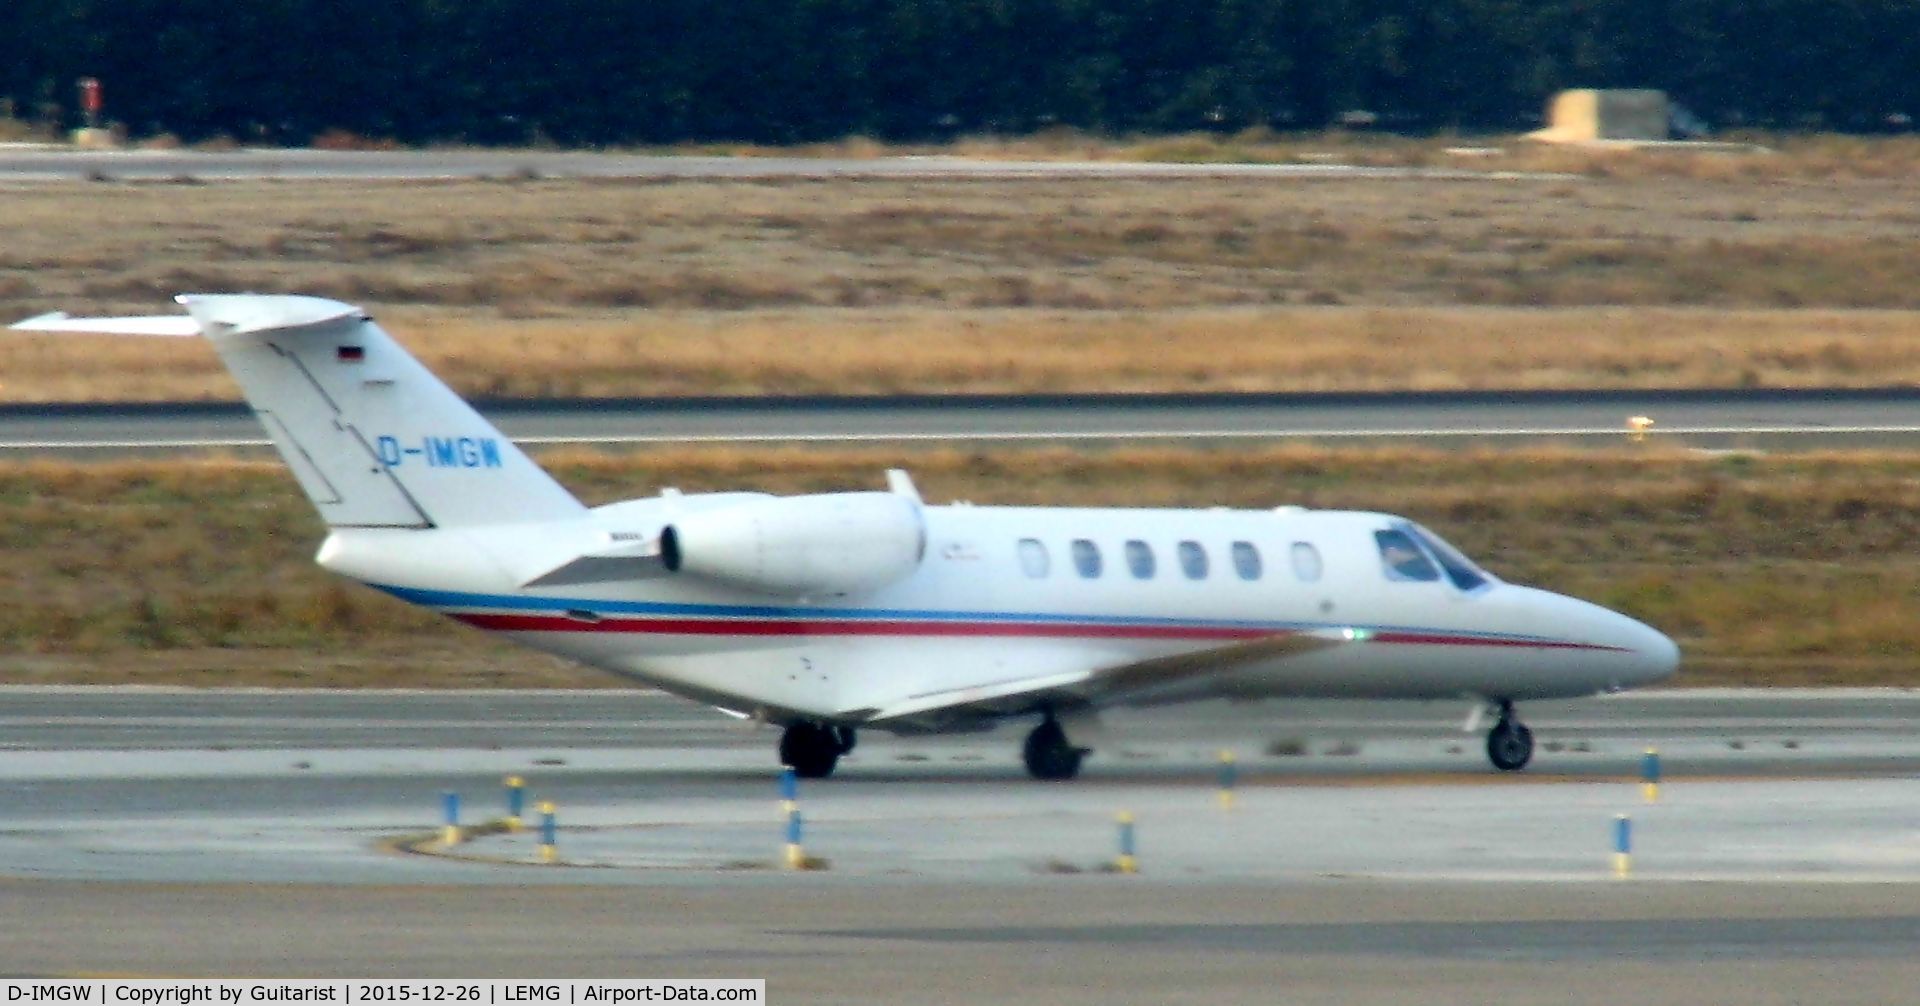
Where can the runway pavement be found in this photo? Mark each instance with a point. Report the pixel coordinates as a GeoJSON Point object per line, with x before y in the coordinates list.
{"type": "Point", "coordinates": [328, 771]}
{"type": "Point", "coordinates": [1704, 419]}
{"type": "Point", "coordinates": [1370, 854]}
{"type": "Point", "coordinates": [1071, 940]}
{"type": "Point", "coordinates": [1701, 723]}
{"type": "Point", "coordinates": [1062, 940]}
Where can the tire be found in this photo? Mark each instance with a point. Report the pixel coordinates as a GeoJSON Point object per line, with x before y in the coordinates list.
{"type": "Point", "coordinates": [1510, 747]}
{"type": "Point", "coordinates": [811, 750]}
{"type": "Point", "coordinates": [1048, 754]}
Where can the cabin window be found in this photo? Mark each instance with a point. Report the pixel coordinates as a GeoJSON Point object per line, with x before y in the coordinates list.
{"type": "Point", "coordinates": [1086, 558]}
{"type": "Point", "coordinates": [1306, 562]}
{"type": "Point", "coordinates": [1140, 560]}
{"type": "Point", "coordinates": [1402, 559]}
{"type": "Point", "coordinates": [1033, 558]}
{"type": "Point", "coordinates": [1246, 560]}
{"type": "Point", "coordinates": [1193, 560]}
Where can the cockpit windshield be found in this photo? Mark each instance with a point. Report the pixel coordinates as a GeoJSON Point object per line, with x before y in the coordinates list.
{"type": "Point", "coordinates": [1401, 558]}
{"type": "Point", "coordinates": [1411, 553]}
{"type": "Point", "coordinates": [1459, 569]}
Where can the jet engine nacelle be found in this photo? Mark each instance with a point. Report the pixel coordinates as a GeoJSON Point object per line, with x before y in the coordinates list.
{"type": "Point", "coordinates": [838, 543]}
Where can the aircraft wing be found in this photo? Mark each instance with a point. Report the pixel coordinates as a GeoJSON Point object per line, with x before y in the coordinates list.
{"type": "Point", "coordinates": [1091, 686]}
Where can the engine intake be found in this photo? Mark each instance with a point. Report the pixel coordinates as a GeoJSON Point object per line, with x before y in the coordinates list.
{"type": "Point", "coordinates": [837, 543]}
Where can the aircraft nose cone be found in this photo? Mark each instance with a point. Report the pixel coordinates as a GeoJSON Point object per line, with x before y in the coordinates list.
{"type": "Point", "coordinates": [1630, 653]}
{"type": "Point", "coordinates": [1655, 657]}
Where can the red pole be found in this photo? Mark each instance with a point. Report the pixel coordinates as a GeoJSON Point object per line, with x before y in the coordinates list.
{"type": "Point", "coordinates": [90, 100]}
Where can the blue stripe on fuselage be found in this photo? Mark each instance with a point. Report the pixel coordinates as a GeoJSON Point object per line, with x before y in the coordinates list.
{"type": "Point", "coordinates": [518, 602]}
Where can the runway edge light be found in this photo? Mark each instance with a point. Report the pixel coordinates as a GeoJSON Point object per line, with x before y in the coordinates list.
{"type": "Point", "coordinates": [1229, 774]}
{"type": "Point", "coordinates": [450, 829]}
{"type": "Point", "coordinates": [549, 833]}
{"type": "Point", "coordinates": [1126, 863]}
{"type": "Point", "coordinates": [796, 856]}
{"type": "Point", "coordinates": [516, 801]}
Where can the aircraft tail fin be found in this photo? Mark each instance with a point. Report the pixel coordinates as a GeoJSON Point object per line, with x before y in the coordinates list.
{"type": "Point", "coordinates": [373, 437]}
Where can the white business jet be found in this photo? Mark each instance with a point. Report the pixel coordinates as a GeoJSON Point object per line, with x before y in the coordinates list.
{"type": "Point", "coordinates": [839, 612]}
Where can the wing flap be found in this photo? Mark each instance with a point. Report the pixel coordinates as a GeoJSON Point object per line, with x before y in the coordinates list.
{"type": "Point", "coordinates": [1182, 666]}
{"type": "Point", "coordinates": [996, 698]}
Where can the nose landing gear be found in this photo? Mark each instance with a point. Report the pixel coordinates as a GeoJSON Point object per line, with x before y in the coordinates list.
{"type": "Point", "coordinates": [1509, 743]}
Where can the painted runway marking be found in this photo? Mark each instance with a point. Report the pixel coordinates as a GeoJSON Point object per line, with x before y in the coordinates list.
{"type": "Point", "coordinates": [882, 436]}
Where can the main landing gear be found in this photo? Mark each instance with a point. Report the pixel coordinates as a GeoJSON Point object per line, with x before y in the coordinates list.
{"type": "Point", "coordinates": [1509, 743]}
{"type": "Point", "coordinates": [1049, 754]}
{"type": "Point", "coordinates": [812, 749]}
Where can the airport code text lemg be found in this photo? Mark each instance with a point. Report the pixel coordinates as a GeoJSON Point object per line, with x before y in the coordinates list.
{"type": "Point", "coordinates": [616, 992]}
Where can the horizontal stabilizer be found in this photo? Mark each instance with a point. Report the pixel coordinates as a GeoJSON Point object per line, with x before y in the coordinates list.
{"type": "Point", "coordinates": [240, 314]}
{"type": "Point", "coordinates": [228, 314]}
{"type": "Point", "coordinates": [373, 438]}
{"type": "Point", "coordinates": [170, 325]}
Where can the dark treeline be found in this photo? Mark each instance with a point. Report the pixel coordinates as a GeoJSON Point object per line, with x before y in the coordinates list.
{"type": "Point", "coordinates": [781, 71]}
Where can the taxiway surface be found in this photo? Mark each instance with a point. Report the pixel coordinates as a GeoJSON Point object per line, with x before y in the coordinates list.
{"type": "Point", "coordinates": [1369, 855]}
{"type": "Point", "coordinates": [1709, 419]}
{"type": "Point", "coordinates": [47, 162]}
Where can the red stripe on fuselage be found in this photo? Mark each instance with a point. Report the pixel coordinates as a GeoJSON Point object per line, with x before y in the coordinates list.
{"type": "Point", "coordinates": [1435, 639]}
{"type": "Point", "coordinates": [850, 627]}
{"type": "Point", "coordinates": [1020, 630]}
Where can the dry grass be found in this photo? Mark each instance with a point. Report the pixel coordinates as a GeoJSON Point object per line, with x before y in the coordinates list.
{"type": "Point", "coordinates": [610, 287]}
{"type": "Point", "coordinates": [910, 351]}
{"type": "Point", "coordinates": [1751, 155]}
{"type": "Point", "coordinates": [1772, 570]}
{"type": "Point", "coordinates": [14, 130]}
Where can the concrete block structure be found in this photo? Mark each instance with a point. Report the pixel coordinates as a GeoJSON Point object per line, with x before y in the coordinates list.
{"type": "Point", "coordinates": [1586, 115]}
